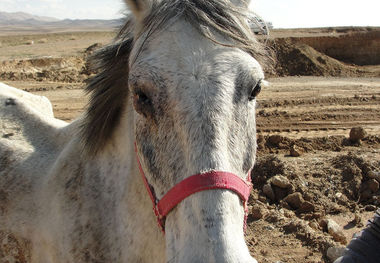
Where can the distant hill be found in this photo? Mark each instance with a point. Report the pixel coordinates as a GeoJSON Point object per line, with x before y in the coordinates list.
{"type": "Point", "coordinates": [89, 23]}
{"type": "Point", "coordinates": [6, 17]}
{"type": "Point", "coordinates": [15, 21]}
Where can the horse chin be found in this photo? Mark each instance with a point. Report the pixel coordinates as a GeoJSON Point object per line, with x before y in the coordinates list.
{"type": "Point", "coordinates": [207, 227]}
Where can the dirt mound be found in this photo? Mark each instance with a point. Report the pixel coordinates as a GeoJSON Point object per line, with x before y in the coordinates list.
{"type": "Point", "coordinates": [295, 198]}
{"type": "Point", "coordinates": [340, 52]}
{"type": "Point", "coordinates": [300, 59]}
{"type": "Point", "coordinates": [282, 145]}
{"type": "Point", "coordinates": [68, 69]}
{"type": "Point", "coordinates": [359, 48]}
{"type": "Point", "coordinates": [75, 69]}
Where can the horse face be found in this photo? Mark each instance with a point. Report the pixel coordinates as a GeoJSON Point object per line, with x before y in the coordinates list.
{"type": "Point", "coordinates": [195, 112]}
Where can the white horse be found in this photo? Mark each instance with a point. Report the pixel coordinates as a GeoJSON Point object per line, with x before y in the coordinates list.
{"type": "Point", "coordinates": [178, 85]}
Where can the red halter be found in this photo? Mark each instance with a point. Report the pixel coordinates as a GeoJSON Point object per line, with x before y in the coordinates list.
{"type": "Point", "coordinates": [193, 184]}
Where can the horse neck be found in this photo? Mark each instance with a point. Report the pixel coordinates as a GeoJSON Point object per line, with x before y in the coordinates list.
{"type": "Point", "coordinates": [120, 169]}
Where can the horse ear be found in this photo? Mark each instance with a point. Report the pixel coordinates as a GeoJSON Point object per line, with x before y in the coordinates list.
{"type": "Point", "coordinates": [139, 8]}
{"type": "Point", "coordinates": [242, 3]}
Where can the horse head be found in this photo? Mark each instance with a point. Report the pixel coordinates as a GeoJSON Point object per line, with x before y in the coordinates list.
{"type": "Point", "coordinates": [193, 74]}
{"type": "Point", "coordinates": [194, 96]}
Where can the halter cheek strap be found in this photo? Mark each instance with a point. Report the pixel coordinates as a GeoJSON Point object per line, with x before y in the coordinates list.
{"type": "Point", "coordinates": [193, 184]}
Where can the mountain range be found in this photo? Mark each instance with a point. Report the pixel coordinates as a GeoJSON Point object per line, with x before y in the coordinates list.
{"type": "Point", "coordinates": [21, 16]}
{"type": "Point", "coordinates": [25, 20]}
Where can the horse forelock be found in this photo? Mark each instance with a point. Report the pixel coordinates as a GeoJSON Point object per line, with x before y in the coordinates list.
{"type": "Point", "coordinates": [108, 91]}
{"type": "Point", "coordinates": [222, 17]}
{"type": "Point", "coordinates": [109, 88]}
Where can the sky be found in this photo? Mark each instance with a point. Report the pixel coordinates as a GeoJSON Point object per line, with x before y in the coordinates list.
{"type": "Point", "coordinates": [282, 13]}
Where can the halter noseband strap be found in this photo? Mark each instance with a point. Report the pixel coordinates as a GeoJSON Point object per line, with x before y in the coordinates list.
{"type": "Point", "coordinates": [193, 184]}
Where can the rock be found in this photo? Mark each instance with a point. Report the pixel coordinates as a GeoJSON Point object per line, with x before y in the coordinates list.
{"type": "Point", "coordinates": [370, 208]}
{"type": "Point", "coordinates": [314, 225]}
{"type": "Point", "coordinates": [268, 191]}
{"type": "Point", "coordinates": [260, 139]}
{"type": "Point", "coordinates": [357, 221]}
{"type": "Point", "coordinates": [280, 181]}
{"type": "Point", "coordinates": [280, 193]}
{"type": "Point", "coordinates": [43, 41]}
{"type": "Point", "coordinates": [275, 139]}
{"type": "Point", "coordinates": [333, 253]}
{"type": "Point", "coordinates": [295, 151]}
{"type": "Point", "coordinates": [308, 196]}
{"type": "Point", "coordinates": [376, 200]}
{"type": "Point", "coordinates": [373, 185]}
{"type": "Point", "coordinates": [269, 227]}
{"type": "Point", "coordinates": [365, 195]}
{"type": "Point", "coordinates": [318, 214]}
{"type": "Point", "coordinates": [357, 134]}
{"type": "Point", "coordinates": [289, 213]}
{"type": "Point", "coordinates": [258, 212]}
{"type": "Point", "coordinates": [292, 226]}
{"type": "Point", "coordinates": [262, 198]}
{"type": "Point", "coordinates": [336, 232]}
{"type": "Point", "coordinates": [323, 224]}
{"type": "Point", "coordinates": [374, 175]}
{"type": "Point", "coordinates": [306, 207]}
{"type": "Point", "coordinates": [368, 188]}
{"type": "Point", "coordinates": [295, 200]}
{"type": "Point", "coordinates": [284, 204]}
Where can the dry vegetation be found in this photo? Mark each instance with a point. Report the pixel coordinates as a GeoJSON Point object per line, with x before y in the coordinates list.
{"type": "Point", "coordinates": [309, 173]}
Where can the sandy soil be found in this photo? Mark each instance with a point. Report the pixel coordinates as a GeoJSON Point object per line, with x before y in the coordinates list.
{"type": "Point", "coordinates": [50, 45]}
{"type": "Point", "coordinates": [331, 179]}
{"type": "Point", "coordinates": [319, 106]}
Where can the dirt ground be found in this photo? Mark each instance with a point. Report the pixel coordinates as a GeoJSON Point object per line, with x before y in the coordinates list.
{"type": "Point", "coordinates": [308, 171]}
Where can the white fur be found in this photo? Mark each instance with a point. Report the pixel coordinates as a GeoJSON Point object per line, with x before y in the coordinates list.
{"type": "Point", "coordinates": [55, 194]}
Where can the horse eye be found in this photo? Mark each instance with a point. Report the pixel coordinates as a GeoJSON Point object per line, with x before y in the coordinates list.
{"type": "Point", "coordinates": [140, 97]}
{"type": "Point", "coordinates": [255, 91]}
{"type": "Point", "coordinates": [142, 103]}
